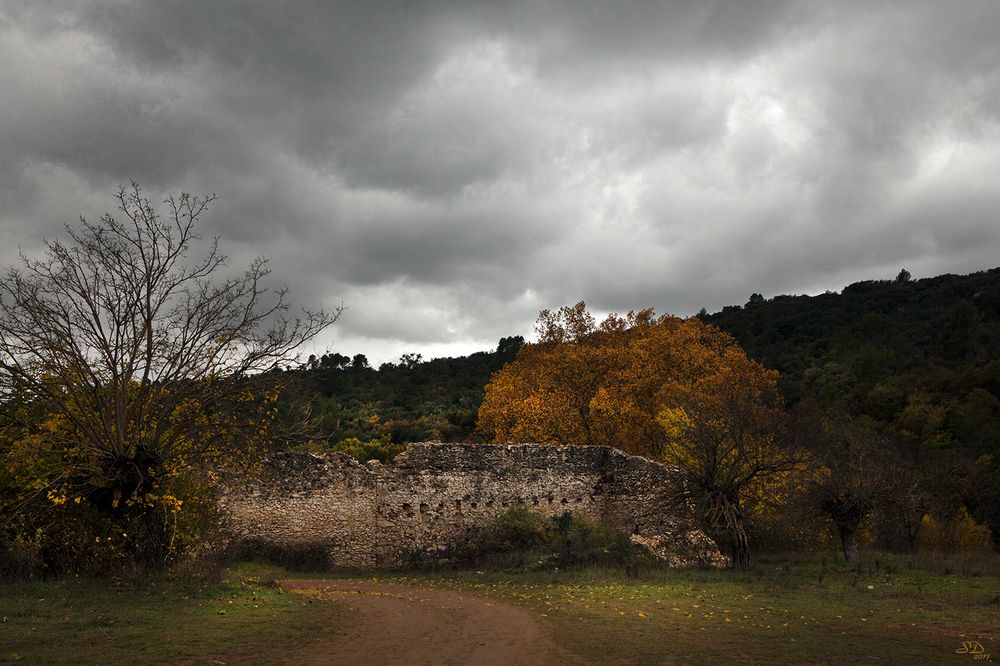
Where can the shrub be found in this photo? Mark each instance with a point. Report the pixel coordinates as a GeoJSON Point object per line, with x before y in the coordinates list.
{"type": "Point", "coordinates": [18, 560]}
{"type": "Point", "coordinates": [515, 530]}
{"type": "Point", "coordinates": [957, 532]}
{"type": "Point", "coordinates": [381, 449]}
{"type": "Point", "coordinates": [585, 542]}
{"type": "Point", "coordinates": [48, 538]}
{"type": "Point", "coordinates": [521, 538]}
{"type": "Point", "coordinates": [291, 556]}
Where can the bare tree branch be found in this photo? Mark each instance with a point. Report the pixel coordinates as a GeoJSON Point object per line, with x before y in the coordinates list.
{"type": "Point", "coordinates": [152, 362]}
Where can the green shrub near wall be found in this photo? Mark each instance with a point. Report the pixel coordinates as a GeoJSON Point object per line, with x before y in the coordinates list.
{"type": "Point", "coordinates": [522, 538]}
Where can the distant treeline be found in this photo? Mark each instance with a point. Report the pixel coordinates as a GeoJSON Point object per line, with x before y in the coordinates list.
{"type": "Point", "coordinates": [409, 401]}
{"type": "Point", "coordinates": [867, 349]}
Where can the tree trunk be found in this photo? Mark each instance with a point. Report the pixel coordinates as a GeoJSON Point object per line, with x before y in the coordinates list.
{"type": "Point", "coordinates": [739, 550]}
{"type": "Point", "coordinates": [848, 540]}
{"type": "Point", "coordinates": [911, 523]}
{"type": "Point", "coordinates": [735, 531]}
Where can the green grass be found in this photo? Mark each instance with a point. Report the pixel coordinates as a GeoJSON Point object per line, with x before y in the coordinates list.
{"type": "Point", "coordinates": [241, 619]}
{"type": "Point", "coordinates": [801, 610]}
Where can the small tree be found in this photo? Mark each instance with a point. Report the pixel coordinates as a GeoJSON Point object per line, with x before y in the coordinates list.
{"type": "Point", "coordinates": [850, 471]}
{"type": "Point", "coordinates": [725, 431]}
{"type": "Point", "coordinates": [129, 369]}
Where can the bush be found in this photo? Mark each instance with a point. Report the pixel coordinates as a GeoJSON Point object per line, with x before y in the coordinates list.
{"type": "Point", "coordinates": [46, 538]}
{"type": "Point", "coordinates": [382, 450]}
{"type": "Point", "coordinates": [294, 557]}
{"type": "Point", "coordinates": [958, 532]}
{"type": "Point", "coordinates": [515, 530]}
{"type": "Point", "coordinates": [18, 560]}
{"type": "Point", "coordinates": [521, 538]}
{"type": "Point", "coordinates": [584, 542]}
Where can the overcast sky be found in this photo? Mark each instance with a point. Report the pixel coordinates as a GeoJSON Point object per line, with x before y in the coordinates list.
{"type": "Point", "coordinates": [446, 170]}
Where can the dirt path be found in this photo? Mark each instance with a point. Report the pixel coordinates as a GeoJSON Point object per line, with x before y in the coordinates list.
{"type": "Point", "coordinates": [401, 624]}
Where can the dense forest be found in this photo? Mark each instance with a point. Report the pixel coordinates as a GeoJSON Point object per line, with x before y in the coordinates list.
{"type": "Point", "coordinates": [873, 349]}
{"type": "Point", "coordinates": [866, 345]}
{"type": "Point", "coordinates": [915, 364]}
{"type": "Point", "coordinates": [902, 373]}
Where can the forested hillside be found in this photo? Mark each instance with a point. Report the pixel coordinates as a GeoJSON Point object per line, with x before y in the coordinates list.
{"type": "Point", "coordinates": [915, 366]}
{"type": "Point", "coordinates": [867, 349]}
{"type": "Point", "coordinates": [841, 346]}
{"type": "Point", "coordinates": [902, 374]}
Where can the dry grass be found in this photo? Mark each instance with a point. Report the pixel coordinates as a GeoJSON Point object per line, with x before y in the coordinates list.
{"type": "Point", "coordinates": [790, 610]}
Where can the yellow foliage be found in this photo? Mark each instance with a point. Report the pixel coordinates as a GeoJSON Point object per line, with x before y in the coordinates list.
{"type": "Point", "coordinates": [958, 532]}
{"type": "Point", "coordinates": [56, 498]}
{"type": "Point", "coordinates": [626, 383]}
{"type": "Point", "coordinates": [675, 421]}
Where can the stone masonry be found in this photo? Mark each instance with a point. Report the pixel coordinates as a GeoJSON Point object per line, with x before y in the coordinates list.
{"type": "Point", "coordinates": [434, 495]}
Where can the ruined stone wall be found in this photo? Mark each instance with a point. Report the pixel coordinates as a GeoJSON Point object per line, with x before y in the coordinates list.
{"type": "Point", "coordinates": [433, 495]}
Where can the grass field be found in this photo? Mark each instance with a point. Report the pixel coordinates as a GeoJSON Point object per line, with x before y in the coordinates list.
{"type": "Point", "coordinates": [164, 621]}
{"type": "Point", "coordinates": [892, 609]}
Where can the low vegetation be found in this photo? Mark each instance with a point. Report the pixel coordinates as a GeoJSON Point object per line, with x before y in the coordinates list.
{"type": "Point", "coordinates": [790, 609]}
{"type": "Point", "coordinates": [523, 540]}
{"type": "Point", "coordinates": [381, 449]}
{"type": "Point", "coordinates": [796, 609]}
{"type": "Point", "coordinates": [163, 620]}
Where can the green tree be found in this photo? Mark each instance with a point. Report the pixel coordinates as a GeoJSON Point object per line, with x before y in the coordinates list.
{"type": "Point", "coordinates": [850, 470]}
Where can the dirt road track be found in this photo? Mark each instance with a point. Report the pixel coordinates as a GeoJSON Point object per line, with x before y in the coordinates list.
{"type": "Point", "coordinates": [400, 624]}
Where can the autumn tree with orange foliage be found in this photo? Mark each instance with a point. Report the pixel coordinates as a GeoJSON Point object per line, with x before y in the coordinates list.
{"type": "Point", "coordinates": [670, 389]}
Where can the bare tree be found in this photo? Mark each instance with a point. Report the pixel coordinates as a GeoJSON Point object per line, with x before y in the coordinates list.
{"type": "Point", "coordinates": [850, 471]}
{"type": "Point", "coordinates": [147, 363]}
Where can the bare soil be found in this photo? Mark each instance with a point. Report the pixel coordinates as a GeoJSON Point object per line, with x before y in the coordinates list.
{"type": "Point", "coordinates": [401, 624]}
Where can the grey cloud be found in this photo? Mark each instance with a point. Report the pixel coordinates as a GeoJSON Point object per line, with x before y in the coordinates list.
{"type": "Point", "coordinates": [447, 169]}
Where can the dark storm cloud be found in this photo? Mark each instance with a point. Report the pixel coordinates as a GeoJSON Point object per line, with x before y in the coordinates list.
{"type": "Point", "coordinates": [448, 169]}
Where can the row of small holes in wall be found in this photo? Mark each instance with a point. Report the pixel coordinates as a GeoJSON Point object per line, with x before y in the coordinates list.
{"type": "Point", "coordinates": [424, 507]}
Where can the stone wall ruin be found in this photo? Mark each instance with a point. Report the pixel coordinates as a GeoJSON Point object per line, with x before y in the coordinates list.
{"type": "Point", "coordinates": [433, 495]}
